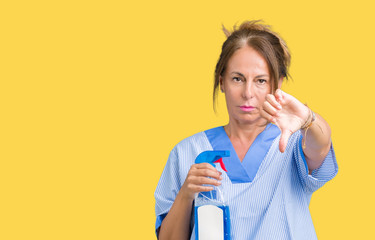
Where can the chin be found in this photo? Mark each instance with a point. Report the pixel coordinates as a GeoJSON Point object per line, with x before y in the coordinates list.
{"type": "Point", "coordinates": [246, 119]}
{"type": "Point", "coordinates": [249, 119]}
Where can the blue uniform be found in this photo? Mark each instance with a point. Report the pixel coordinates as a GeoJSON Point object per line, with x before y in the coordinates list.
{"type": "Point", "coordinates": [268, 193]}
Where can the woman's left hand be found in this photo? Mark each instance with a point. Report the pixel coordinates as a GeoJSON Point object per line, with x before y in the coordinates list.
{"type": "Point", "coordinates": [286, 112]}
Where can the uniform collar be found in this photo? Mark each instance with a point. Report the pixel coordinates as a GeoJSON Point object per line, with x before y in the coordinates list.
{"type": "Point", "coordinates": [245, 171]}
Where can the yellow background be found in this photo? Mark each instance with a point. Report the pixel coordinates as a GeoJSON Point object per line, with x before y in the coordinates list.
{"type": "Point", "coordinates": [95, 94]}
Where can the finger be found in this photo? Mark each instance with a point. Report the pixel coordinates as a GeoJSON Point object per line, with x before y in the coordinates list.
{"type": "Point", "coordinates": [204, 180]}
{"type": "Point", "coordinates": [279, 95]}
{"type": "Point", "coordinates": [204, 166]}
{"type": "Point", "coordinates": [207, 173]}
{"type": "Point", "coordinates": [268, 108]}
{"type": "Point", "coordinates": [197, 188]}
{"type": "Point", "coordinates": [268, 116]}
{"type": "Point", "coordinates": [206, 170]}
{"type": "Point", "coordinates": [204, 188]}
{"type": "Point", "coordinates": [272, 100]}
{"type": "Point", "coordinates": [284, 140]}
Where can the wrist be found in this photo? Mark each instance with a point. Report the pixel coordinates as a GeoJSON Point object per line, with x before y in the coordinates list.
{"type": "Point", "coordinates": [185, 196]}
{"type": "Point", "coordinates": [310, 119]}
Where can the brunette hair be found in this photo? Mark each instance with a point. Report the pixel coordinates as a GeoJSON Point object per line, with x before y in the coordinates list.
{"type": "Point", "coordinates": [262, 39]}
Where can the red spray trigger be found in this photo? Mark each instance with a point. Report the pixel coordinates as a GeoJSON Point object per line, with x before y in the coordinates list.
{"type": "Point", "coordinates": [220, 160]}
{"type": "Point", "coordinates": [212, 157]}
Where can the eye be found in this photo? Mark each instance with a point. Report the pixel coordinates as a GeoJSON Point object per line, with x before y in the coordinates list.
{"type": "Point", "coordinates": [237, 79]}
{"type": "Point", "coordinates": [262, 81]}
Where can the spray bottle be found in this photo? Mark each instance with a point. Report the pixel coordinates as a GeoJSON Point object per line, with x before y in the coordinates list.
{"type": "Point", "coordinates": [212, 220]}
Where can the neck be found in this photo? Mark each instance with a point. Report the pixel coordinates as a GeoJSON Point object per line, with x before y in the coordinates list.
{"type": "Point", "coordinates": [245, 132]}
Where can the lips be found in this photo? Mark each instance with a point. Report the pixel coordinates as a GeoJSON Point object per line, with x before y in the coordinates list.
{"type": "Point", "coordinates": [247, 108]}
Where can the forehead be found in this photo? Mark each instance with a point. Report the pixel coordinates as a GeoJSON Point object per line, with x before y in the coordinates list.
{"type": "Point", "coordinates": [247, 61]}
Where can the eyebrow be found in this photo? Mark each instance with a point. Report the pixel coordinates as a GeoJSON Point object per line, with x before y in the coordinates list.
{"type": "Point", "coordinates": [262, 75]}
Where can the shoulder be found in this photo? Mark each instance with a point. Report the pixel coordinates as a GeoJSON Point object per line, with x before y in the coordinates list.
{"type": "Point", "coordinates": [193, 145]}
{"type": "Point", "coordinates": [193, 141]}
{"type": "Point", "coordinates": [185, 152]}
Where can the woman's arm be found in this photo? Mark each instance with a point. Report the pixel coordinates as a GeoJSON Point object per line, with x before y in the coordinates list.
{"type": "Point", "coordinates": [290, 115]}
{"type": "Point", "coordinates": [317, 141]}
{"type": "Point", "coordinates": [176, 224]}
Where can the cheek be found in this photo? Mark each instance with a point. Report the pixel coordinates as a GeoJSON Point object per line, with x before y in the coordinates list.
{"type": "Point", "coordinates": [229, 99]}
{"type": "Point", "coordinates": [261, 97]}
{"type": "Point", "coordinates": [264, 91]}
{"type": "Point", "coordinates": [232, 100]}
{"type": "Point", "coordinates": [234, 95]}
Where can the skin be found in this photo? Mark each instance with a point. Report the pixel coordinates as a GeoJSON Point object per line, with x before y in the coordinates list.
{"type": "Point", "coordinates": [176, 223]}
{"type": "Point", "coordinates": [289, 115]}
{"type": "Point", "coordinates": [246, 81]}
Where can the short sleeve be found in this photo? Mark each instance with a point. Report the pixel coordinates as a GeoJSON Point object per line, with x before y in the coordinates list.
{"type": "Point", "coordinates": [319, 176]}
{"type": "Point", "coordinates": [167, 189]}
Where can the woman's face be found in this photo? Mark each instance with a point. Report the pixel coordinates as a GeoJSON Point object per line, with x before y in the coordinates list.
{"type": "Point", "coordinates": [246, 82]}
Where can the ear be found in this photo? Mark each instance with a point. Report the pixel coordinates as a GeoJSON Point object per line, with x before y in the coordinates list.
{"type": "Point", "coordinates": [221, 83]}
{"type": "Point", "coordinates": [280, 82]}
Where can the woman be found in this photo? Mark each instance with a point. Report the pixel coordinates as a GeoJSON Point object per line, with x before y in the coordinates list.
{"type": "Point", "coordinates": [281, 151]}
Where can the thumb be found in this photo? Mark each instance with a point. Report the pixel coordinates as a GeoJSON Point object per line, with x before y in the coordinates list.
{"type": "Point", "coordinates": [284, 140]}
{"type": "Point", "coordinates": [282, 97]}
{"type": "Point", "coordinates": [279, 96]}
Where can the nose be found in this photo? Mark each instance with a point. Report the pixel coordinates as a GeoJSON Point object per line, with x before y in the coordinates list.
{"type": "Point", "coordinates": [248, 91]}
